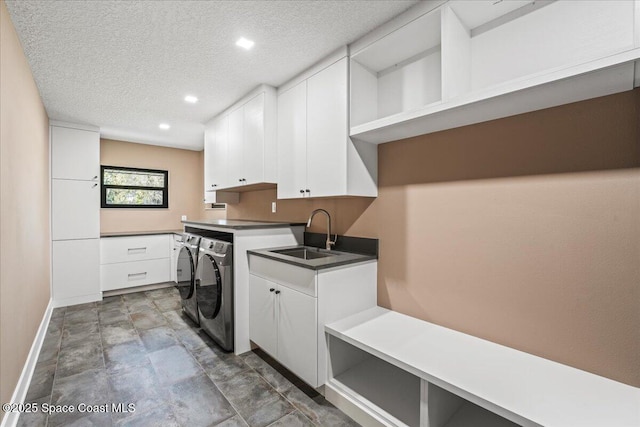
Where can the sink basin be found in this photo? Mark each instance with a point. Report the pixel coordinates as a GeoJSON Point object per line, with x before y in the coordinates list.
{"type": "Point", "coordinates": [303, 253]}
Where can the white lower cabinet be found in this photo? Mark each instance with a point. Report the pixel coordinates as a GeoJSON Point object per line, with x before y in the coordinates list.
{"type": "Point", "coordinates": [263, 314]}
{"type": "Point", "coordinates": [297, 341]}
{"type": "Point", "coordinates": [127, 262]}
{"type": "Point", "coordinates": [75, 272]}
{"type": "Point", "coordinates": [289, 306]}
{"type": "Point", "coordinates": [283, 323]}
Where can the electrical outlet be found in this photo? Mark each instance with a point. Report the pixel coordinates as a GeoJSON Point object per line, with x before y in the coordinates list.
{"type": "Point", "coordinates": [184, 217]}
{"type": "Point", "coordinates": [273, 207]}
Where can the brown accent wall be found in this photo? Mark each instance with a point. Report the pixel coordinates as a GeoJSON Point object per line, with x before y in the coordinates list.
{"type": "Point", "coordinates": [524, 231]}
{"type": "Point", "coordinates": [24, 208]}
{"type": "Point", "coordinates": [186, 186]}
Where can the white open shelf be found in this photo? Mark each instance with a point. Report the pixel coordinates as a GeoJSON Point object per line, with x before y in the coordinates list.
{"type": "Point", "coordinates": [464, 379]}
{"type": "Point", "coordinates": [465, 53]}
{"type": "Point", "coordinates": [393, 76]}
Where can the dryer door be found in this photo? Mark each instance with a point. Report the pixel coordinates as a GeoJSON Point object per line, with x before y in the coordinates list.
{"type": "Point", "coordinates": [209, 293]}
{"type": "Point", "coordinates": [185, 273]}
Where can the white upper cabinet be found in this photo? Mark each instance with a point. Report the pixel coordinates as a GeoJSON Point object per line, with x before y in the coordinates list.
{"type": "Point", "coordinates": [327, 137]}
{"type": "Point", "coordinates": [253, 166]}
{"type": "Point", "coordinates": [240, 144]}
{"type": "Point", "coordinates": [469, 61]}
{"type": "Point", "coordinates": [292, 142]}
{"type": "Point", "coordinates": [316, 157]}
{"type": "Point", "coordinates": [235, 148]}
{"type": "Point", "coordinates": [75, 153]}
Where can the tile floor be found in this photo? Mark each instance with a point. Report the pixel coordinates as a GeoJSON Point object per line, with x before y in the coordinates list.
{"type": "Point", "coordinates": [139, 348]}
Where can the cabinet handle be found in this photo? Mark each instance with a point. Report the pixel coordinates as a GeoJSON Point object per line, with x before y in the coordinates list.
{"type": "Point", "coordinates": [240, 180]}
{"type": "Point", "coordinates": [307, 191]}
{"type": "Point", "coordinates": [301, 191]}
{"type": "Point", "coordinates": [214, 185]}
{"type": "Point", "coordinates": [277, 292]}
{"type": "Point", "coordinates": [272, 289]}
{"type": "Point", "coordinates": [94, 185]}
{"type": "Point", "coordinates": [95, 177]}
{"type": "Point", "coordinates": [136, 250]}
{"type": "Point", "coordinates": [135, 276]}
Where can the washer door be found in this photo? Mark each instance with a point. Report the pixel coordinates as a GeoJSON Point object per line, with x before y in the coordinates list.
{"type": "Point", "coordinates": [185, 272]}
{"type": "Point", "coordinates": [209, 285]}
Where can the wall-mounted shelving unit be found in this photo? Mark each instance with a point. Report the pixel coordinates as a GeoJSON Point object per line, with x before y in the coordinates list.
{"type": "Point", "coordinates": [470, 61]}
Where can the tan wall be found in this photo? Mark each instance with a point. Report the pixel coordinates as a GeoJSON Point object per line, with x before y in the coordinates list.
{"type": "Point", "coordinates": [186, 186]}
{"type": "Point", "coordinates": [24, 208]}
{"type": "Point", "coordinates": [524, 231]}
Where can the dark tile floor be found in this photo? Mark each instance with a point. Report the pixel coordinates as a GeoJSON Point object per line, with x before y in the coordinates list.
{"type": "Point", "coordinates": [139, 348]}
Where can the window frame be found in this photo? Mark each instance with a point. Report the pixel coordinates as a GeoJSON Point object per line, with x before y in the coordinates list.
{"type": "Point", "coordinates": [104, 187]}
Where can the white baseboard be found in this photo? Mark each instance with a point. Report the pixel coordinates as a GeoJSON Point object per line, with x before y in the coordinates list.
{"type": "Point", "coordinates": [20, 392]}
{"type": "Point", "coordinates": [355, 408]}
{"type": "Point", "coordinates": [77, 300]}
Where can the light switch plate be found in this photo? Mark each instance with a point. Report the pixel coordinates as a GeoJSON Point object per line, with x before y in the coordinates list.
{"type": "Point", "coordinates": [184, 217]}
{"type": "Point", "coordinates": [273, 207]}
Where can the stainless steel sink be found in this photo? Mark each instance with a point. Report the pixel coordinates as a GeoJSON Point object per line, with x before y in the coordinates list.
{"type": "Point", "coordinates": [303, 253]}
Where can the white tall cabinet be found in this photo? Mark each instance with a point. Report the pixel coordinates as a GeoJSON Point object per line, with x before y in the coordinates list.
{"type": "Point", "coordinates": [316, 157]}
{"type": "Point", "coordinates": [75, 213]}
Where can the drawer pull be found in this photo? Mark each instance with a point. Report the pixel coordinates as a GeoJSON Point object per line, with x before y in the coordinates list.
{"type": "Point", "coordinates": [136, 250]}
{"type": "Point", "coordinates": [137, 276]}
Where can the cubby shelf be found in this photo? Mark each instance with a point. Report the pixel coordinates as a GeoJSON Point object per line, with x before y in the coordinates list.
{"type": "Point", "coordinates": [471, 61]}
{"type": "Point", "coordinates": [377, 357]}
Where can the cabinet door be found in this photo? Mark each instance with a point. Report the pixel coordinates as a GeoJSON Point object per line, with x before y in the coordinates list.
{"type": "Point", "coordinates": [220, 156]}
{"type": "Point", "coordinates": [76, 269]}
{"type": "Point", "coordinates": [327, 131]}
{"type": "Point", "coordinates": [253, 140]}
{"type": "Point", "coordinates": [292, 142]}
{"type": "Point", "coordinates": [75, 209]}
{"type": "Point", "coordinates": [235, 149]}
{"type": "Point", "coordinates": [209, 147]}
{"type": "Point", "coordinates": [297, 326]}
{"type": "Point", "coordinates": [263, 314]}
{"type": "Point", "coordinates": [75, 154]}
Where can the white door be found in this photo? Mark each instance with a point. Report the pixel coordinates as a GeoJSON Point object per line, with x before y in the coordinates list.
{"type": "Point", "coordinates": [327, 131]}
{"type": "Point", "coordinates": [253, 141]}
{"type": "Point", "coordinates": [219, 157]}
{"type": "Point", "coordinates": [76, 269]}
{"type": "Point", "coordinates": [297, 326]}
{"type": "Point", "coordinates": [235, 149]}
{"type": "Point", "coordinates": [292, 142]}
{"type": "Point", "coordinates": [75, 154]}
{"type": "Point", "coordinates": [209, 147]}
{"type": "Point", "coordinates": [263, 314]}
{"type": "Point", "coordinates": [75, 209]}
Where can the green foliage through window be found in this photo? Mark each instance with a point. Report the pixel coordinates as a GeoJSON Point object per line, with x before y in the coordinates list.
{"type": "Point", "coordinates": [134, 188]}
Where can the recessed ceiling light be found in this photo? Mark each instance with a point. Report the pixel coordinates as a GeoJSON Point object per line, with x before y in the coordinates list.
{"type": "Point", "coordinates": [164, 126]}
{"type": "Point", "coordinates": [191, 99]}
{"type": "Point", "coordinates": [245, 43]}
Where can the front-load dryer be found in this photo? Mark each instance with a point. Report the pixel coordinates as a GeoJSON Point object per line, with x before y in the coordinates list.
{"type": "Point", "coordinates": [214, 291]}
{"type": "Point", "coordinates": [186, 267]}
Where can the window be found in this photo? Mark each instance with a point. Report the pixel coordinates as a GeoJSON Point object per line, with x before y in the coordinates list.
{"type": "Point", "coordinates": [134, 188]}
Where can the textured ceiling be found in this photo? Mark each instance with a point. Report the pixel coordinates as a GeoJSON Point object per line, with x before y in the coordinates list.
{"type": "Point", "coordinates": [126, 66]}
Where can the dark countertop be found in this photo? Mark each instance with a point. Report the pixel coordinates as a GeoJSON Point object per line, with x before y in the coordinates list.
{"type": "Point", "coordinates": [338, 258]}
{"type": "Point", "coordinates": [139, 233]}
{"type": "Point", "coordinates": [236, 224]}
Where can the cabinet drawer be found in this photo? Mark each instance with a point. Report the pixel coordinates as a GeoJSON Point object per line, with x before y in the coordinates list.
{"type": "Point", "coordinates": [291, 276]}
{"type": "Point", "coordinates": [137, 273]}
{"type": "Point", "coordinates": [136, 248]}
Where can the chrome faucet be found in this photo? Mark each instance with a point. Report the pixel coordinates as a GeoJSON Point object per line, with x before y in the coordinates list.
{"type": "Point", "coordinates": [329, 242]}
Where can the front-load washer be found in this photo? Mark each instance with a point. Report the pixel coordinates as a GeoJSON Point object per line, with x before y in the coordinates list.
{"type": "Point", "coordinates": [186, 267]}
{"type": "Point", "coordinates": [214, 291]}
